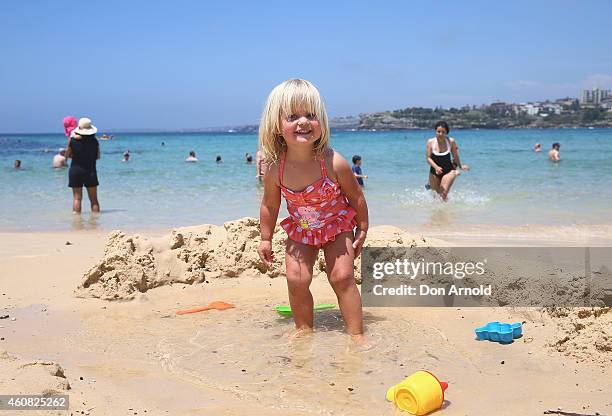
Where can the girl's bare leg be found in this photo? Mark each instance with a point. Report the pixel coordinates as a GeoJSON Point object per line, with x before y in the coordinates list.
{"type": "Point", "coordinates": [92, 193]}
{"type": "Point", "coordinates": [299, 260]}
{"type": "Point", "coordinates": [339, 260]}
{"type": "Point", "coordinates": [77, 197]}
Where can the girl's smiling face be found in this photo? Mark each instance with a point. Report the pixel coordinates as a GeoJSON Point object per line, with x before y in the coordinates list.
{"type": "Point", "coordinates": [300, 127]}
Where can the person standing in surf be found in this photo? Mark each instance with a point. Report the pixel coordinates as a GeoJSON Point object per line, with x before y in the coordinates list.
{"type": "Point", "coordinates": [443, 169]}
{"type": "Point", "coordinates": [84, 149]}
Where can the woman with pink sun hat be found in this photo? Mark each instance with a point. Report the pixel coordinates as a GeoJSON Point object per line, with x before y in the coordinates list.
{"type": "Point", "coordinates": [70, 123]}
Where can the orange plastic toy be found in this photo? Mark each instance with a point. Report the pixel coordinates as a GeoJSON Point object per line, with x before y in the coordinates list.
{"type": "Point", "coordinates": [217, 304]}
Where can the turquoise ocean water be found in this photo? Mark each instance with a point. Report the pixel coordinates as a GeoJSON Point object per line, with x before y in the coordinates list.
{"type": "Point", "coordinates": [508, 183]}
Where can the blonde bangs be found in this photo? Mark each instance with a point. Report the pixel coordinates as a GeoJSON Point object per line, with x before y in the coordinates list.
{"type": "Point", "coordinates": [290, 97]}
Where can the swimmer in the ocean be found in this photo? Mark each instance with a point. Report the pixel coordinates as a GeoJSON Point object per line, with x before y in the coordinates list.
{"type": "Point", "coordinates": [553, 154]}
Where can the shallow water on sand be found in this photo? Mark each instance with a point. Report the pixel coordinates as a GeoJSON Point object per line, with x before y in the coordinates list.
{"type": "Point", "coordinates": [320, 373]}
{"type": "Point", "coordinates": [241, 355]}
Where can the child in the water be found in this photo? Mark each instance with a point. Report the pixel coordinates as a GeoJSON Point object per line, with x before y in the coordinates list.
{"type": "Point", "coordinates": [327, 209]}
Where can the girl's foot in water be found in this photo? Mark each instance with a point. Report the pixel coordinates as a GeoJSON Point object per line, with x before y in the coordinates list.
{"type": "Point", "coordinates": [297, 332]}
{"type": "Point", "coordinates": [362, 342]}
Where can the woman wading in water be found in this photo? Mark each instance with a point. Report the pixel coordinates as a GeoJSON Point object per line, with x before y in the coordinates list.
{"type": "Point", "coordinates": [443, 170]}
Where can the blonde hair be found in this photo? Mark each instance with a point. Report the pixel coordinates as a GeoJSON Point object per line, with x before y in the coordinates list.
{"type": "Point", "coordinates": [287, 98]}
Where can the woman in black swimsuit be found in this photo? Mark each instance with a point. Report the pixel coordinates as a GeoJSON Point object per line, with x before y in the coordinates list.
{"type": "Point", "coordinates": [84, 149]}
{"type": "Point", "coordinates": [443, 170]}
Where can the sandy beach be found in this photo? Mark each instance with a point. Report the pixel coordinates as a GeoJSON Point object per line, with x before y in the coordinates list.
{"type": "Point", "coordinates": [464, 150]}
{"type": "Point", "coordinates": [134, 355]}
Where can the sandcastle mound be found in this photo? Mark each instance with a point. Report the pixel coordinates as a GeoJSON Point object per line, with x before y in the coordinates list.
{"type": "Point", "coordinates": [133, 264]}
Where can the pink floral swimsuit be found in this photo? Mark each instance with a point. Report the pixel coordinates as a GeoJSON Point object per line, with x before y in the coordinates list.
{"type": "Point", "coordinates": [318, 213]}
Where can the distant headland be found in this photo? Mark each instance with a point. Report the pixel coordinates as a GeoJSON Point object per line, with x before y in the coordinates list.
{"type": "Point", "coordinates": [593, 110]}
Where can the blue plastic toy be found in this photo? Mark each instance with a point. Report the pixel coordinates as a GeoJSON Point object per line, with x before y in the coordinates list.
{"type": "Point", "coordinates": [499, 332]}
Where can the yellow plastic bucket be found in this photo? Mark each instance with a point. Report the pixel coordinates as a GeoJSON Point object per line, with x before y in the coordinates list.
{"type": "Point", "coordinates": [419, 394]}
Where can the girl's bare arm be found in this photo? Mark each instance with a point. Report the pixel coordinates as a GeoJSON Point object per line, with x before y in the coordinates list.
{"type": "Point", "coordinates": [268, 213]}
{"type": "Point", "coordinates": [270, 203]}
{"type": "Point", "coordinates": [355, 196]}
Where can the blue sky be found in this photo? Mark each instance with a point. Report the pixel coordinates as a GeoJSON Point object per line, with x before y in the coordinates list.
{"type": "Point", "coordinates": [190, 64]}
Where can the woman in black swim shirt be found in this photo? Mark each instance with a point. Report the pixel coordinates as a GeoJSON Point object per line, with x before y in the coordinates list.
{"type": "Point", "coordinates": [84, 149]}
{"type": "Point", "coordinates": [443, 170]}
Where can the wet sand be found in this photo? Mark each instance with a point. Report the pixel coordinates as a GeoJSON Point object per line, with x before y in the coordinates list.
{"type": "Point", "coordinates": [127, 357]}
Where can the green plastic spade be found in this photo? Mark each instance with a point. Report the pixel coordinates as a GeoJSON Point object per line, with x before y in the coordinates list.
{"type": "Point", "coordinates": [286, 310]}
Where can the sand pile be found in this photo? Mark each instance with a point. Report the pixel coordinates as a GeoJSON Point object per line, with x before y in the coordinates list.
{"type": "Point", "coordinates": [583, 333]}
{"type": "Point", "coordinates": [540, 290]}
{"type": "Point", "coordinates": [550, 287]}
{"type": "Point", "coordinates": [31, 377]}
{"type": "Point", "coordinates": [133, 264]}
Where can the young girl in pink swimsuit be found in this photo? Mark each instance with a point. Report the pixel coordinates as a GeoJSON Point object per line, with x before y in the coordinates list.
{"type": "Point", "coordinates": [326, 206]}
